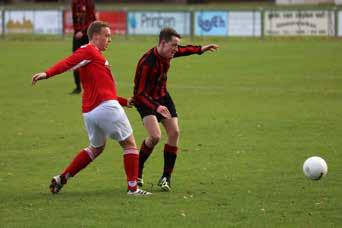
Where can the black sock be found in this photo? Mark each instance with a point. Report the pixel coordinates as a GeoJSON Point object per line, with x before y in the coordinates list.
{"type": "Point", "coordinates": [144, 153]}
{"type": "Point", "coordinates": [170, 156]}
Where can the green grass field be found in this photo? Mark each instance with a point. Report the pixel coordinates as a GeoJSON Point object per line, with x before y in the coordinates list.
{"type": "Point", "coordinates": [250, 114]}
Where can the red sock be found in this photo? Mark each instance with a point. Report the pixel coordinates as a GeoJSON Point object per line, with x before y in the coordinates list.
{"type": "Point", "coordinates": [81, 160]}
{"type": "Point", "coordinates": [131, 161]}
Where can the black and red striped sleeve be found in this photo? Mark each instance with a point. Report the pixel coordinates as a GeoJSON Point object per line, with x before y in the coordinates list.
{"type": "Point", "coordinates": [79, 58]}
{"type": "Point", "coordinates": [188, 50]}
{"type": "Point", "coordinates": [142, 87]}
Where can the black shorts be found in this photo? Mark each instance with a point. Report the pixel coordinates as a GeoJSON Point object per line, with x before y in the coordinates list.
{"type": "Point", "coordinates": [77, 43]}
{"type": "Point", "coordinates": [165, 101]}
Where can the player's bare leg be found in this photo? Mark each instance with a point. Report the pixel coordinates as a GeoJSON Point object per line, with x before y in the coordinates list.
{"type": "Point", "coordinates": [170, 152]}
{"type": "Point", "coordinates": [154, 134]}
{"type": "Point", "coordinates": [81, 160]}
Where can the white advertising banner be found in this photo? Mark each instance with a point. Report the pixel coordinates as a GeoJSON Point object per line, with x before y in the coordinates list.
{"type": "Point", "coordinates": [299, 23]}
{"type": "Point", "coordinates": [29, 21]}
{"type": "Point", "coordinates": [1, 25]}
{"type": "Point", "coordinates": [150, 23]}
{"type": "Point", "coordinates": [339, 23]}
{"type": "Point", "coordinates": [48, 22]}
{"type": "Point", "coordinates": [244, 23]}
{"type": "Point", "coordinates": [18, 21]}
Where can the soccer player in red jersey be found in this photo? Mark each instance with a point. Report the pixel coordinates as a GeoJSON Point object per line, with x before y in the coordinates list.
{"type": "Point", "coordinates": [83, 14]}
{"type": "Point", "coordinates": [154, 103]}
{"type": "Point", "coordinates": [102, 112]}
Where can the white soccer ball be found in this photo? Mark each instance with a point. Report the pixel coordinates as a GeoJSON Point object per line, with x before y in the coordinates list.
{"type": "Point", "coordinates": [315, 168]}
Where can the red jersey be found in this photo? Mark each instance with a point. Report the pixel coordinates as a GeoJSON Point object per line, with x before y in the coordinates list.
{"type": "Point", "coordinates": [83, 13]}
{"type": "Point", "coordinates": [151, 75]}
{"type": "Point", "coordinates": [95, 74]}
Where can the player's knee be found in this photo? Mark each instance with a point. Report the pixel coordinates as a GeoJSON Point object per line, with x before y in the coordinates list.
{"type": "Point", "coordinates": [128, 142]}
{"type": "Point", "coordinates": [174, 134]}
{"type": "Point", "coordinates": [98, 151]}
{"type": "Point", "coordinates": [154, 139]}
{"type": "Point", "coordinates": [94, 152]}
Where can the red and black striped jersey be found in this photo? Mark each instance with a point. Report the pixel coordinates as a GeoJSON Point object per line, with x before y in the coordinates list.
{"type": "Point", "coordinates": [151, 75]}
{"type": "Point", "coordinates": [83, 13]}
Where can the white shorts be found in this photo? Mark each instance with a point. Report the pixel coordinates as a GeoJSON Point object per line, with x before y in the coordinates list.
{"type": "Point", "coordinates": [107, 120]}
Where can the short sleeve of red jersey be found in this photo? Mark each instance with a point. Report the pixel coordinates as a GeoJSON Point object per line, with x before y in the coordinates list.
{"type": "Point", "coordinates": [123, 101]}
{"type": "Point", "coordinates": [79, 58]}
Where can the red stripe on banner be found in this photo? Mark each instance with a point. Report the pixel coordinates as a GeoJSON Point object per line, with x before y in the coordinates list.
{"type": "Point", "coordinates": [116, 20]}
{"type": "Point", "coordinates": [68, 27]}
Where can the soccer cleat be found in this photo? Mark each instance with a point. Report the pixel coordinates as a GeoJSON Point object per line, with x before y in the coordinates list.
{"type": "Point", "coordinates": [165, 184]}
{"type": "Point", "coordinates": [56, 184]}
{"type": "Point", "coordinates": [140, 182]}
{"type": "Point", "coordinates": [76, 91]}
{"type": "Point", "coordinates": [138, 192]}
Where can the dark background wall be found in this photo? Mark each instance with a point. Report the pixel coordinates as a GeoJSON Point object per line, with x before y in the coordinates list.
{"type": "Point", "coordinates": [140, 1]}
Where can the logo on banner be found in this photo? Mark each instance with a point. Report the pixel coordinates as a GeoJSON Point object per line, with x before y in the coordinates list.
{"type": "Point", "coordinates": [211, 23]}
{"type": "Point", "coordinates": [152, 21]}
{"type": "Point", "coordinates": [132, 21]}
{"type": "Point", "coordinates": [157, 21]}
{"type": "Point", "coordinates": [19, 26]}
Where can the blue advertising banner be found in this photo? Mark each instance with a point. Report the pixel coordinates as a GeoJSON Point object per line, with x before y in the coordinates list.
{"type": "Point", "coordinates": [150, 23]}
{"type": "Point", "coordinates": [211, 23]}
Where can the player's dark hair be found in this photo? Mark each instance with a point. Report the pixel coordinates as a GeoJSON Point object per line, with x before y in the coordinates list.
{"type": "Point", "coordinates": [96, 27]}
{"type": "Point", "coordinates": [167, 34]}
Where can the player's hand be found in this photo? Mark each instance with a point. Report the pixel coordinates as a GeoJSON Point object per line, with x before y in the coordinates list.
{"type": "Point", "coordinates": [37, 77]}
{"type": "Point", "coordinates": [78, 35]}
{"type": "Point", "coordinates": [209, 47]}
{"type": "Point", "coordinates": [130, 102]}
{"type": "Point", "coordinates": [162, 110]}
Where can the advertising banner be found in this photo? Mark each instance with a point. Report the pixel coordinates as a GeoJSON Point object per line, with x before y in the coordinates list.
{"type": "Point", "coordinates": [211, 23]}
{"type": "Point", "coordinates": [150, 23]}
{"type": "Point", "coordinates": [244, 23]}
{"type": "Point", "coordinates": [29, 21]}
{"type": "Point", "coordinates": [299, 23]}
{"type": "Point", "coordinates": [116, 19]}
{"type": "Point", "coordinates": [19, 21]}
{"type": "Point", "coordinates": [48, 22]}
{"type": "Point", "coordinates": [339, 23]}
{"type": "Point", "coordinates": [1, 25]}
{"type": "Point", "coordinates": [68, 25]}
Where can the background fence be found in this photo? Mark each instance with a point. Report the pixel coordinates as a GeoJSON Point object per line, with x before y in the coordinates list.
{"type": "Point", "coordinates": [223, 23]}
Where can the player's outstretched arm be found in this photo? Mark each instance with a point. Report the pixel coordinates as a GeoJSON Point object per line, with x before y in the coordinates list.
{"type": "Point", "coordinates": [209, 47]}
{"type": "Point", "coordinates": [37, 77]}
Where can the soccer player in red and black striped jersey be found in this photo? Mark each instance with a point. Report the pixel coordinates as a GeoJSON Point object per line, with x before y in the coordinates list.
{"type": "Point", "coordinates": [101, 107]}
{"type": "Point", "coordinates": [155, 104]}
{"type": "Point", "coordinates": [83, 14]}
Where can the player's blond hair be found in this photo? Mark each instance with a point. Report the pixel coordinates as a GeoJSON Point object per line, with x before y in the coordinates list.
{"type": "Point", "coordinates": [96, 27]}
